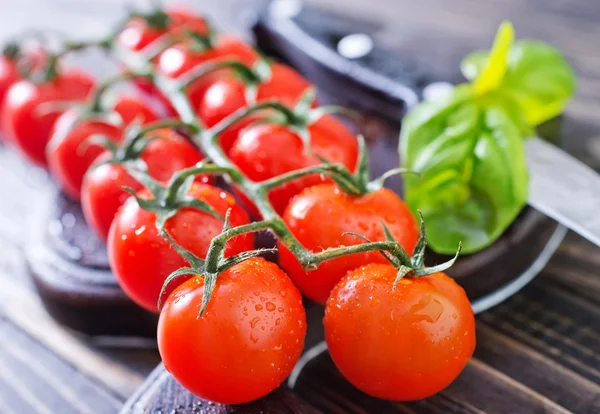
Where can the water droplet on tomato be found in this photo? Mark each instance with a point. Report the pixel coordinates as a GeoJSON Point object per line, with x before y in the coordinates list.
{"type": "Point", "coordinates": [428, 309]}
{"type": "Point", "coordinates": [270, 306]}
{"type": "Point", "coordinates": [254, 321]}
{"type": "Point", "coordinates": [282, 293]}
{"type": "Point", "coordinates": [258, 307]}
{"type": "Point", "coordinates": [277, 322]}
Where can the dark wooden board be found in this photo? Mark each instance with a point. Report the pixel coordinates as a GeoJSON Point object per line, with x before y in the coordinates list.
{"type": "Point", "coordinates": [162, 393]}
{"type": "Point", "coordinates": [69, 266]}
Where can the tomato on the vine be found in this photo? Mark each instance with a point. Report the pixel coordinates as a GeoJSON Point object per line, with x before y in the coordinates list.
{"type": "Point", "coordinates": [143, 30]}
{"type": "Point", "coordinates": [258, 153]}
{"type": "Point", "coordinates": [102, 191]}
{"type": "Point", "coordinates": [246, 342]}
{"type": "Point", "coordinates": [69, 152]}
{"type": "Point", "coordinates": [320, 215]}
{"type": "Point", "coordinates": [402, 344]}
{"type": "Point", "coordinates": [29, 115]}
{"type": "Point", "coordinates": [228, 94]}
{"type": "Point", "coordinates": [9, 70]}
{"type": "Point", "coordinates": [140, 31]}
{"type": "Point", "coordinates": [141, 259]}
{"type": "Point", "coordinates": [182, 57]}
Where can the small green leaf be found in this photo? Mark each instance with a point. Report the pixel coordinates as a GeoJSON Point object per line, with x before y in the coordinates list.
{"type": "Point", "coordinates": [469, 152]}
{"type": "Point", "coordinates": [538, 78]}
{"type": "Point", "coordinates": [495, 67]}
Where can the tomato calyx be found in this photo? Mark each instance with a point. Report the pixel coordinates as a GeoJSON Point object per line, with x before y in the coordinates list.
{"type": "Point", "coordinates": [11, 50]}
{"type": "Point", "coordinates": [168, 199]}
{"type": "Point", "coordinates": [251, 76]}
{"type": "Point", "coordinates": [135, 140]}
{"type": "Point", "coordinates": [216, 262]}
{"type": "Point", "coordinates": [411, 266]}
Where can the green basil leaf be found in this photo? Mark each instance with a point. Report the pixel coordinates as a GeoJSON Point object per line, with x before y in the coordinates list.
{"type": "Point", "coordinates": [473, 176]}
{"type": "Point", "coordinates": [538, 77]}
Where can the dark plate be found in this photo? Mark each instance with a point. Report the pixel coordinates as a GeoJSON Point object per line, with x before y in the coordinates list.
{"type": "Point", "coordinates": [69, 267]}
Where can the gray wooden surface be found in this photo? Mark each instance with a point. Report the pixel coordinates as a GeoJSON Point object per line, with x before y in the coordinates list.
{"type": "Point", "coordinates": [539, 352]}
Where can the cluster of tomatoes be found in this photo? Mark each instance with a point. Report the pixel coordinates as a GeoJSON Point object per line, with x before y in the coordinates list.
{"type": "Point", "coordinates": [401, 340]}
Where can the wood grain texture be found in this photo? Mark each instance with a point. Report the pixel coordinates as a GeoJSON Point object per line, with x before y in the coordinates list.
{"type": "Point", "coordinates": [538, 352]}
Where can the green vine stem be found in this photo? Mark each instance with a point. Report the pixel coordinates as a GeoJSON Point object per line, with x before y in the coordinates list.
{"type": "Point", "coordinates": [167, 199]}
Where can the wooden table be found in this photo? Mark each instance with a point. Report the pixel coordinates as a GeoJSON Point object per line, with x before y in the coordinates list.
{"type": "Point", "coordinates": [537, 352]}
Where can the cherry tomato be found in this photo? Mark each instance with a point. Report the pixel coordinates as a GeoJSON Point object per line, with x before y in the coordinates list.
{"type": "Point", "coordinates": [247, 341]}
{"type": "Point", "coordinates": [9, 72]}
{"type": "Point", "coordinates": [257, 152]}
{"type": "Point", "coordinates": [404, 344]}
{"type": "Point", "coordinates": [320, 215]}
{"type": "Point", "coordinates": [69, 154]}
{"type": "Point", "coordinates": [102, 192]}
{"type": "Point", "coordinates": [8, 76]}
{"type": "Point", "coordinates": [228, 94]}
{"type": "Point", "coordinates": [141, 259]}
{"type": "Point", "coordinates": [180, 58]}
{"type": "Point", "coordinates": [27, 120]}
{"type": "Point", "coordinates": [139, 32]}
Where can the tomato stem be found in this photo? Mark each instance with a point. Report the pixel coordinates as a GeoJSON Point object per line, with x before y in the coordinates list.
{"type": "Point", "coordinates": [167, 200]}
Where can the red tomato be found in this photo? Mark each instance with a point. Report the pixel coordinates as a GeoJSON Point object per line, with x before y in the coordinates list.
{"type": "Point", "coordinates": [139, 33]}
{"type": "Point", "coordinates": [8, 75]}
{"type": "Point", "coordinates": [27, 122]}
{"type": "Point", "coordinates": [258, 153]}
{"type": "Point", "coordinates": [102, 191]}
{"type": "Point", "coordinates": [141, 259]}
{"type": "Point", "coordinates": [70, 155]}
{"type": "Point", "coordinates": [181, 58]}
{"type": "Point", "coordinates": [320, 215]}
{"type": "Point", "coordinates": [247, 341]}
{"type": "Point", "coordinates": [9, 72]}
{"type": "Point", "coordinates": [404, 344]}
{"type": "Point", "coordinates": [227, 95]}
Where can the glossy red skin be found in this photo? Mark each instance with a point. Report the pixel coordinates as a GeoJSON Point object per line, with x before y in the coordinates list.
{"type": "Point", "coordinates": [141, 259]}
{"type": "Point", "coordinates": [246, 343]}
{"type": "Point", "coordinates": [102, 191]}
{"type": "Point", "coordinates": [8, 76]}
{"type": "Point", "coordinates": [227, 95]}
{"type": "Point", "coordinates": [320, 215]}
{"type": "Point", "coordinates": [26, 126]}
{"type": "Point", "coordinates": [258, 153]}
{"type": "Point", "coordinates": [137, 34]}
{"type": "Point", "coordinates": [404, 344]}
{"type": "Point", "coordinates": [69, 156]}
{"type": "Point", "coordinates": [179, 59]}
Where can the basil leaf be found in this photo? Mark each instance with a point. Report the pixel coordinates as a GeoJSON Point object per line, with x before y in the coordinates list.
{"type": "Point", "coordinates": [538, 77]}
{"type": "Point", "coordinates": [473, 176]}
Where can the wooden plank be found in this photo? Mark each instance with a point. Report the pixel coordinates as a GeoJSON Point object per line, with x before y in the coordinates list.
{"type": "Point", "coordinates": [491, 391]}
{"type": "Point", "coordinates": [46, 381]}
{"type": "Point", "coordinates": [21, 305]}
{"type": "Point", "coordinates": [536, 371]}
